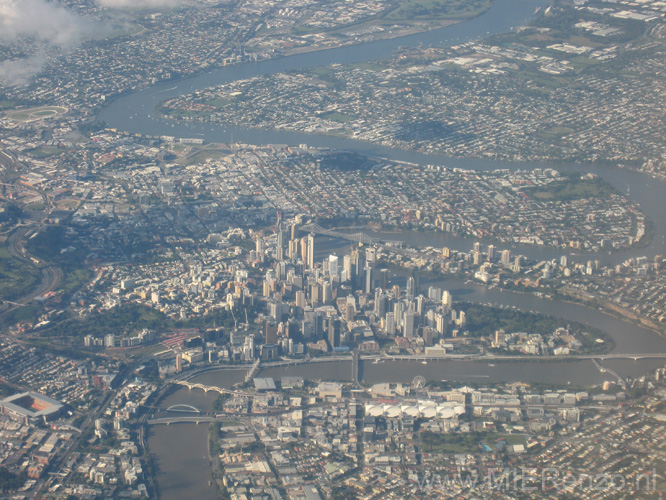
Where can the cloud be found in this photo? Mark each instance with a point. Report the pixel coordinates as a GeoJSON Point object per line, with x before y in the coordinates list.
{"type": "Point", "coordinates": [41, 20]}
{"type": "Point", "coordinates": [20, 71]}
{"type": "Point", "coordinates": [137, 4]}
{"type": "Point", "coordinates": [49, 24]}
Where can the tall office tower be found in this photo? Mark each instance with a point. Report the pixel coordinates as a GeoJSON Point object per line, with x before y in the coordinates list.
{"type": "Point", "coordinates": [447, 300]}
{"type": "Point", "coordinates": [416, 274]}
{"type": "Point", "coordinates": [333, 265]}
{"type": "Point", "coordinates": [506, 257]}
{"type": "Point", "coordinates": [441, 324]}
{"type": "Point", "coordinates": [390, 323]}
{"type": "Point", "coordinates": [326, 293]}
{"type": "Point", "coordinates": [347, 266]}
{"type": "Point", "coordinates": [462, 318]}
{"type": "Point", "coordinates": [398, 310]}
{"type": "Point", "coordinates": [367, 279]}
{"type": "Point", "coordinates": [315, 294]}
{"type": "Point", "coordinates": [381, 305]}
{"type": "Point", "coordinates": [300, 299]}
{"type": "Point", "coordinates": [384, 278]}
{"type": "Point", "coordinates": [378, 297]}
{"type": "Point", "coordinates": [334, 332]}
{"type": "Point", "coordinates": [279, 251]}
{"type": "Point", "coordinates": [311, 251]}
{"type": "Point", "coordinates": [304, 250]}
{"type": "Point", "coordinates": [428, 336]}
{"type": "Point", "coordinates": [270, 332]}
{"type": "Point", "coordinates": [350, 312]}
{"type": "Point", "coordinates": [179, 362]}
{"type": "Point", "coordinates": [477, 247]}
{"type": "Point", "coordinates": [491, 252]}
{"type": "Point", "coordinates": [435, 293]}
{"type": "Point", "coordinates": [410, 324]}
{"type": "Point", "coordinates": [259, 244]}
{"type": "Point", "coordinates": [430, 318]}
{"type": "Point", "coordinates": [371, 254]}
{"type": "Point", "coordinates": [248, 347]}
{"type": "Point", "coordinates": [292, 251]}
{"type": "Point", "coordinates": [410, 290]}
{"type": "Point", "coordinates": [359, 265]}
{"type": "Point", "coordinates": [420, 305]}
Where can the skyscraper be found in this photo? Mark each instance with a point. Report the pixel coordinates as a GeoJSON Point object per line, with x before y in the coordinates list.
{"type": "Point", "coordinates": [410, 324]}
{"type": "Point", "coordinates": [347, 266]}
{"type": "Point", "coordinates": [368, 283]}
{"type": "Point", "coordinates": [311, 251]}
{"type": "Point", "coordinates": [411, 286]}
{"type": "Point", "coordinates": [333, 265]}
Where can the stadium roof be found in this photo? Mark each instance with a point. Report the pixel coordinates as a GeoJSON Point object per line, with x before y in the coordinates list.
{"type": "Point", "coordinates": [31, 404]}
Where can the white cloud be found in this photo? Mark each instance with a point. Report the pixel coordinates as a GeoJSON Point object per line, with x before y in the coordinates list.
{"type": "Point", "coordinates": [41, 20]}
{"type": "Point", "coordinates": [20, 71]}
{"type": "Point", "coordinates": [137, 4]}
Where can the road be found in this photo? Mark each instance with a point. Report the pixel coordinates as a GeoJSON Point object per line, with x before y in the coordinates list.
{"type": "Point", "coordinates": [57, 464]}
{"type": "Point", "coordinates": [51, 276]}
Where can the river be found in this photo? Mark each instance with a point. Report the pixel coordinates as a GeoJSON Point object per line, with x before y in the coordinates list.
{"type": "Point", "coordinates": [135, 113]}
{"type": "Point", "coordinates": [186, 473]}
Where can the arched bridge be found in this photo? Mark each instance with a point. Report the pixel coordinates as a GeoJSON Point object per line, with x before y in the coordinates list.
{"type": "Point", "coordinates": [184, 408]}
{"type": "Point", "coordinates": [207, 388]}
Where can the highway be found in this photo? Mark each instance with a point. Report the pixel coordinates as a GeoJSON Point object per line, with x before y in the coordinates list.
{"type": "Point", "coordinates": [51, 276]}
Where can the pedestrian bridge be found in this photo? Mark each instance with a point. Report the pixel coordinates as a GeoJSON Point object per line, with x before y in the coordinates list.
{"type": "Point", "coordinates": [183, 408]}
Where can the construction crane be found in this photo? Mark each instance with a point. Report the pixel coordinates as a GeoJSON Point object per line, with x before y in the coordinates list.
{"type": "Point", "coordinates": [234, 316]}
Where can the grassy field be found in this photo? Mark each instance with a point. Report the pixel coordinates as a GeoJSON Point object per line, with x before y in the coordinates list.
{"type": "Point", "coordinates": [336, 117]}
{"type": "Point", "coordinates": [451, 443]}
{"type": "Point", "coordinates": [437, 9]}
{"type": "Point", "coordinates": [555, 132]}
{"type": "Point", "coordinates": [41, 153]}
{"type": "Point", "coordinates": [574, 188]}
{"type": "Point", "coordinates": [466, 443]}
{"type": "Point", "coordinates": [16, 278]}
{"type": "Point", "coordinates": [218, 102]}
{"type": "Point", "coordinates": [34, 114]}
{"type": "Point", "coordinates": [207, 154]}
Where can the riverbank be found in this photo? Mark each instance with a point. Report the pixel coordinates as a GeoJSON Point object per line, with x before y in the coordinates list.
{"type": "Point", "coordinates": [612, 310]}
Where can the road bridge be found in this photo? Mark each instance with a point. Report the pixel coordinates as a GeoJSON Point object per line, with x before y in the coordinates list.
{"type": "Point", "coordinates": [359, 237]}
{"type": "Point", "coordinates": [207, 388]}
